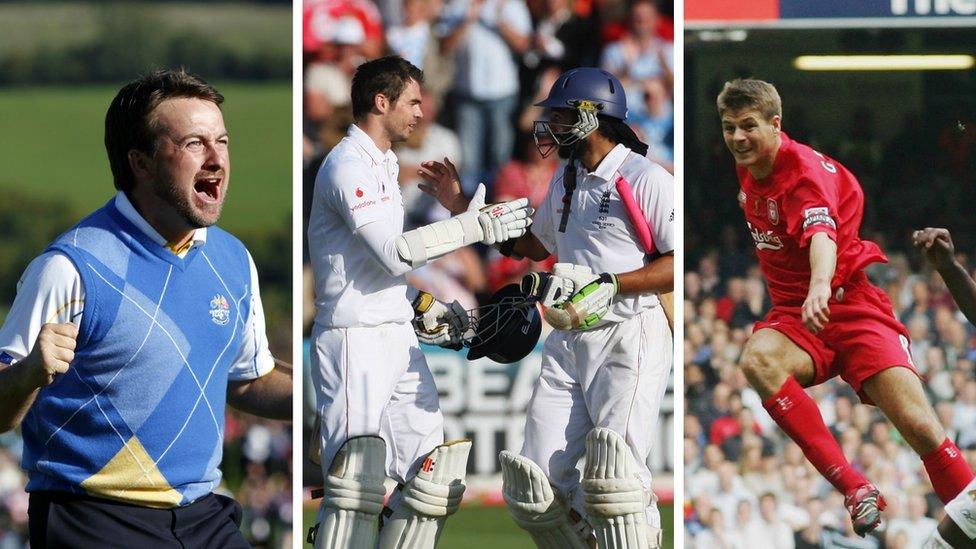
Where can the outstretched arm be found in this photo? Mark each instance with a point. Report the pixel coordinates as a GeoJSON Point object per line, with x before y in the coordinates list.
{"type": "Point", "coordinates": [939, 250]}
{"type": "Point", "coordinates": [441, 181]}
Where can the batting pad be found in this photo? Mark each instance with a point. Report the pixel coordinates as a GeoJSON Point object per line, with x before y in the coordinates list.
{"type": "Point", "coordinates": [536, 508]}
{"type": "Point", "coordinates": [613, 496]}
{"type": "Point", "coordinates": [428, 499]}
{"type": "Point", "coordinates": [354, 494]}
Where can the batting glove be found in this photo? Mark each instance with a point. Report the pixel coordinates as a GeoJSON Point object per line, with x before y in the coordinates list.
{"type": "Point", "coordinates": [438, 324]}
{"type": "Point", "coordinates": [502, 221]}
{"type": "Point", "coordinates": [585, 308]}
{"type": "Point", "coordinates": [553, 288]}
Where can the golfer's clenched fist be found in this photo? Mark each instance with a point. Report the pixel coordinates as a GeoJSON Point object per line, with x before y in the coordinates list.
{"type": "Point", "coordinates": [53, 351]}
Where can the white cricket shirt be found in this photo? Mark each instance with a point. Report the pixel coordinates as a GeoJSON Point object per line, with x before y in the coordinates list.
{"type": "Point", "coordinates": [356, 186]}
{"type": "Point", "coordinates": [50, 290]}
{"type": "Point", "coordinates": [599, 234]}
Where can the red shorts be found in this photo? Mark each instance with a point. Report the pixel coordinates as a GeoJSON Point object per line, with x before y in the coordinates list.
{"type": "Point", "coordinates": [861, 339]}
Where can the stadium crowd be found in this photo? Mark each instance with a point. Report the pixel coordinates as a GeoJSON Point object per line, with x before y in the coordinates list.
{"type": "Point", "coordinates": [746, 483]}
{"type": "Point", "coordinates": [485, 62]}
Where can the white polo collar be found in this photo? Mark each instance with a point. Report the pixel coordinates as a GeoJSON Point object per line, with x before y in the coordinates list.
{"type": "Point", "coordinates": [611, 163]}
{"type": "Point", "coordinates": [366, 142]}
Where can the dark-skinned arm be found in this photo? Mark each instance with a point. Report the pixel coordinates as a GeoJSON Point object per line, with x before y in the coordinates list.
{"type": "Point", "coordinates": [655, 277]}
{"type": "Point", "coordinates": [267, 396]}
{"type": "Point", "coordinates": [940, 252]}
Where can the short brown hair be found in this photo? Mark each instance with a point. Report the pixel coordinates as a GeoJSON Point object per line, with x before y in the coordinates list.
{"type": "Point", "coordinates": [744, 93]}
{"type": "Point", "coordinates": [130, 124]}
{"type": "Point", "coordinates": [387, 75]}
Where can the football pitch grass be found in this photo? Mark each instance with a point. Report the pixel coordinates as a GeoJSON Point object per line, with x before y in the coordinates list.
{"type": "Point", "coordinates": [480, 527]}
{"type": "Point", "coordinates": [52, 145]}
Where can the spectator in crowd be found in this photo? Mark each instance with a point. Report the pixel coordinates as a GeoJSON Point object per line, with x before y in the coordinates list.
{"type": "Point", "coordinates": [655, 121]}
{"type": "Point", "coordinates": [483, 36]}
{"type": "Point", "coordinates": [562, 39]}
{"type": "Point", "coordinates": [411, 38]}
{"type": "Point", "coordinates": [321, 21]}
{"type": "Point", "coordinates": [640, 54]}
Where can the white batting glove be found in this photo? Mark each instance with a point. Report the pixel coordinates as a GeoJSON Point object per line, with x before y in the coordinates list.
{"type": "Point", "coordinates": [586, 307]}
{"type": "Point", "coordinates": [502, 221]}
{"type": "Point", "coordinates": [53, 352]}
{"type": "Point", "coordinates": [553, 288]}
{"type": "Point", "coordinates": [438, 324]}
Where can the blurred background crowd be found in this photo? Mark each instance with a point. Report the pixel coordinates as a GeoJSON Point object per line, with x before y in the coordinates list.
{"type": "Point", "coordinates": [485, 63]}
{"type": "Point", "coordinates": [746, 483]}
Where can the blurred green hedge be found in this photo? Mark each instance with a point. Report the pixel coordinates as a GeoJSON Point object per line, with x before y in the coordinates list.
{"type": "Point", "coordinates": [106, 42]}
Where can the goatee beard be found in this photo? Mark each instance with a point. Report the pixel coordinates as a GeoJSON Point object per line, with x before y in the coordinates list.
{"type": "Point", "coordinates": [576, 149]}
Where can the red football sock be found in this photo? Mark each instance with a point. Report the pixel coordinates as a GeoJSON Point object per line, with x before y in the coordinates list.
{"type": "Point", "coordinates": [797, 414]}
{"type": "Point", "coordinates": [948, 470]}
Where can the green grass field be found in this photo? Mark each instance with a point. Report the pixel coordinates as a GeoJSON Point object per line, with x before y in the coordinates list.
{"type": "Point", "coordinates": [51, 143]}
{"type": "Point", "coordinates": [477, 527]}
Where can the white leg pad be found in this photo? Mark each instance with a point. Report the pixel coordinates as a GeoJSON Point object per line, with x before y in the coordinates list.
{"type": "Point", "coordinates": [536, 508]}
{"type": "Point", "coordinates": [354, 495]}
{"type": "Point", "coordinates": [428, 499]}
{"type": "Point", "coordinates": [613, 496]}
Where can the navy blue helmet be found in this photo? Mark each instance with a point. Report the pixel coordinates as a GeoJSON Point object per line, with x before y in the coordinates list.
{"type": "Point", "coordinates": [590, 92]}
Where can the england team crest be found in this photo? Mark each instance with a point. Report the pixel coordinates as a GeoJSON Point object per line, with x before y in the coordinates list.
{"type": "Point", "coordinates": [772, 211]}
{"type": "Point", "coordinates": [219, 310]}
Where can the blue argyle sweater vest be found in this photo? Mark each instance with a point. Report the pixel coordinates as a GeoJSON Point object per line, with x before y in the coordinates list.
{"type": "Point", "coordinates": [139, 416]}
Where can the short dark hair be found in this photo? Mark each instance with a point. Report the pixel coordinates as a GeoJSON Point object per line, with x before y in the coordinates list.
{"type": "Point", "coordinates": [387, 75]}
{"type": "Point", "coordinates": [747, 93]}
{"type": "Point", "coordinates": [130, 124]}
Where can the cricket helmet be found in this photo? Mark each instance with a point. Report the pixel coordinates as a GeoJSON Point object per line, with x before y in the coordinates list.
{"type": "Point", "coordinates": [591, 92]}
{"type": "Point", "coordinates": [506, 329]}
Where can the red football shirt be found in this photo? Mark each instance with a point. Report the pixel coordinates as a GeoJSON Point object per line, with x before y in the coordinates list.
{"type": "Point", "coordinates": [806, 193]}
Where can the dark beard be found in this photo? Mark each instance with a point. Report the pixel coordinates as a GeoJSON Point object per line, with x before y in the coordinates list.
{"type": "Point", "coordinates": [577, 149]}
{"type": "Point", "coordinates": [181, 205]}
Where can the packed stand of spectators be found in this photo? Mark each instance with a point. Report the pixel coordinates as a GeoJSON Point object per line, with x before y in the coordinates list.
{"type": "Point", "coordinates": [485, 63]}
{"type": "Point", "coordinates": [746, 482]}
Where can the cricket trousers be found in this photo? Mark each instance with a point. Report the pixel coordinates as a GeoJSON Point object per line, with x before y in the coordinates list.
{"type": "Point", "coordinates": [614, 376]}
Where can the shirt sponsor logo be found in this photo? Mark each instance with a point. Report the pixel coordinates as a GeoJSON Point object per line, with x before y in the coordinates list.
{"type": "Point", "coordinates": [818, 216]}
{"type": "Point", "coordinates": [362, 205]}
{"type": "Point", "coordinates": [765, 240]}
{"type": "Point", "coordinates": [219, 310]}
